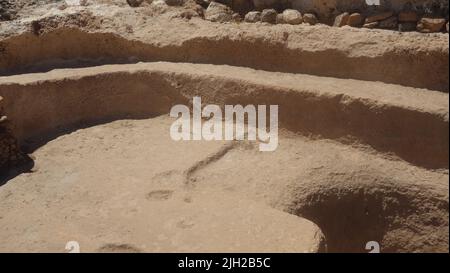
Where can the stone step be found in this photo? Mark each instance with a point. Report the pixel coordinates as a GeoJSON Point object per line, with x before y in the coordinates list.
{"type": "Point", "coordinates": [411, 59]}
{"type": "Point", "coordinates": [405, 122]}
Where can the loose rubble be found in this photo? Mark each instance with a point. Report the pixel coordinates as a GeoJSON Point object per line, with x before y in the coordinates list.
{"type": "Point", "coordinates": [297, 12]}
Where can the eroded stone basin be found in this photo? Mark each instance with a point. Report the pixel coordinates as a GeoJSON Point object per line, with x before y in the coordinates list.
{"type": "Point", "coordinates": [356, 158]}
{"type": "Point", "coordinates": [122, 187]}
{"type": "Point", "coordinates": [126, 186]}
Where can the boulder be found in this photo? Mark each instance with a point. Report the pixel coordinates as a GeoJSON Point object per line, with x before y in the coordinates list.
{"type": "Point", "coordinates": [269, 16]}
{"type": "Point", "coordinates": [253, 17]}
{"type": "Point", "coordinates": [310, 18]}
{"type": "Point", "coordinates": [217, 12]}
{"type": "Point", "coordinates": [429, 25]}
{"type": "Point", "coordinates": [355, 20]}
{"type": "Point", "coordinates": [292, 17]}
{"type": "Point", "coordinates": [341, 20]}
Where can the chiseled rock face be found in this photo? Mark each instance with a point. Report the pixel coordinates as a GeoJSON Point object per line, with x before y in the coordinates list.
{"type": "Point", "coordinates": [429, 25]}
{"type": "Point", "coordinates": [217, 12]}
{"type": "Point", "coordinates": [292, 17]}
{"type": "Point", "coordinates": [253, 17]}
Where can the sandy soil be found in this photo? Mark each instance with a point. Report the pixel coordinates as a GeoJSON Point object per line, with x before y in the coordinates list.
{"type": "Point", "coordinates": [126, 186]}
{"type": "Point", "coordinates": [122, 187]}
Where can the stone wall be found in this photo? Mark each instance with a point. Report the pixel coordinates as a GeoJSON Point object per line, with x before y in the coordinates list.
{"type": "Point", "coordinates": [326, 10]}
{"type": "Point", "coordinates": [329, 8]}
{"type": "Point", "coordinates": [403, 15]}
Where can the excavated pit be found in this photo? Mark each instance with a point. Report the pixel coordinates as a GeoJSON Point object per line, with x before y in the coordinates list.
{"type": "Point", "coordinates": [362, 156]}
{"type": "Point", "coordinates": [356, 203]}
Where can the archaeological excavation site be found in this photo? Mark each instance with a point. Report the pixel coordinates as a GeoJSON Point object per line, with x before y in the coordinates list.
{"type": "Point", "coordinates": [88, 161]}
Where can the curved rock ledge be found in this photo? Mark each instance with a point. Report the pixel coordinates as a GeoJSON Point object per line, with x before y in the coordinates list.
{"type": "Point", "coordinates": [375, 114]}
{"type": "Point", "coordinates": [362, 154]}
{"type": "Point", "coordinates": [410, 59]}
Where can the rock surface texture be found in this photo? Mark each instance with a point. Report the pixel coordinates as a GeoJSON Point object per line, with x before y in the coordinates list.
{"type": "Point", "coordinates": [363, 134]}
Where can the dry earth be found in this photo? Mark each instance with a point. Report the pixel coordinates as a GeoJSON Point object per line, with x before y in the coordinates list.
{"type": "Point", "coordinates": [363, 142]}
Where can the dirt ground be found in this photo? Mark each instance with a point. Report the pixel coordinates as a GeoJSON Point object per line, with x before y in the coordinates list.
{"type": "Point", "coordinates": [363, 140]}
